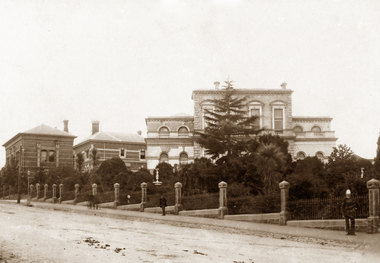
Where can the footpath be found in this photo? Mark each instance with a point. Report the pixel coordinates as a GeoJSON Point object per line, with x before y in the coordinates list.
{"type": "Point", "coordinates": [371, 241]}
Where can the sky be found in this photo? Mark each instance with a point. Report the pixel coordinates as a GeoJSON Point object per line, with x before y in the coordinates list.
{"type": "Point", "coordinates": [121, 61]}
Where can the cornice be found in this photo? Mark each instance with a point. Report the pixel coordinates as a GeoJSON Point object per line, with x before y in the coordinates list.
{"type": "Point", "coordinates": [245, 91]}
{"type": "Point", "coordinates": [311, 119]}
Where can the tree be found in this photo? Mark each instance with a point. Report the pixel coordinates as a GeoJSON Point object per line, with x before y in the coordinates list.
{"type": "Point", "coordinates": [80, 161]}
{"type": "Point", "coordinates": [271, 159]}
{"type": "Point", "coordinates": [107, 171]}
{"type": "Point", "coordinates": [228, 126]}
{"type": "Point", "coordinates": [377, 158]}
{"type": "Point", "coordinates": [341, 152]}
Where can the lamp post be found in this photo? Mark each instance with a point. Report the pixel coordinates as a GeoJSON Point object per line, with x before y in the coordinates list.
{"type": "Point", "coordinates": [29, 177]}
{"type": "Point", "coordinates": [19, 176]}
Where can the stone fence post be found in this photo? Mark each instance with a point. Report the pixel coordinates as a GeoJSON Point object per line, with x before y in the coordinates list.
{"type": "Point", "coordinates": [60, 193]}
{"type": "Point", "coordinates": [45, 191]}
{"type": "Point", "coordinates": [10, 190]}
{"type": "Point", "coordinates": [284, 214]}
{"type": "Point", "coordinates": [143, 197]}
{"type": "Point", "coordinates": [117, 194]}
{"type": "Point", "coordinates": [30, 193]}
{"type": "Point", "coordinates": [222, 210]}
{"type": "Point", "coordinates": [76, 193]}
{"type": "Point", "coordinates": [373, 195]}
{"type": "Point", "coordinates": [178, 198]}
{"type": "Point", "coordinates": [94, 189]}
{"type": "Point", "coordinates": [4, 191]}
{"type": "Point", "coordinates": [38, 190]}
{"type": "Point", "coordinates": [54, 193]}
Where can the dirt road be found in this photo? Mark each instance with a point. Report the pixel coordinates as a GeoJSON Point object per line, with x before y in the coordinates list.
{"type": "Point", "coordinates": [30, 234]}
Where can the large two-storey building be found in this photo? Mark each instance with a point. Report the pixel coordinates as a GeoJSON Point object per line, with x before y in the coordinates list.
{"type": "Point", "coordinates": [169, 138]}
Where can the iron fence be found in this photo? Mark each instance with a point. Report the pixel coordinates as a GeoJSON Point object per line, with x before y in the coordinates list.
{"type": "Point", "coordinates": [326, 208]}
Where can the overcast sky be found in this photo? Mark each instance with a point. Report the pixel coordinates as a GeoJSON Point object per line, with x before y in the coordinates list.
{"type": "Point", "coordinates": [121, 61]}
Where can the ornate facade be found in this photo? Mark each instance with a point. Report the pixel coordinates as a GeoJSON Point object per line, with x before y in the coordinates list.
{"type": "Point", "coordinates": [307, 136]}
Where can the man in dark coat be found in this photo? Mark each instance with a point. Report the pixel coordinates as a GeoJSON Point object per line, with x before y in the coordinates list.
{"type": "Point", "coordinates": [163, 204]}
{"type": "Point", "coordinates": [349, 211]}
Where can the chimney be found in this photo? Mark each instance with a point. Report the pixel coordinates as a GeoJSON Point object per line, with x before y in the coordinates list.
{"type": "Point", "coordinates": [66, 125]}
{"type": "Point", "coordinates": [139, 132]}
{"type": "Point", "coordinates": [95, 127]}
{"type": "Point", "coordinates": [283, 85]}
{"type": "Point", "coordinates": [217, 83]}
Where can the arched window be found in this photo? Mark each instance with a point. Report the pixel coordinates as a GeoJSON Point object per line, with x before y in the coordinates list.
{"type": "Point", "coordinates": [316, 129]}
{"type": "Point", "coordinates": [297, 129]}
{"type": "Point", "coordinates": [301, 156]}
{"type": "Point", "coordinates": [183, 158]}
{"type": "Point", "coordinates": [51, 156]}
{"type": "Point", "coordinates": [163, 132]}
{"type": "Point", "coordinates": [183, 132]}
{"type": "Point", "coordinates": [319, 155]}
{"type": "Point", "coordinates": [164, 158]}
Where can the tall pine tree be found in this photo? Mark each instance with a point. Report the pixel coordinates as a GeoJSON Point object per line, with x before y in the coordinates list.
{"type": "Point", "coordinates": [228, 126]}
{"type": "Point", "coordinates": [377, 159]}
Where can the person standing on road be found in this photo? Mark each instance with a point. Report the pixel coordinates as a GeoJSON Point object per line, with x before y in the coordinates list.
{"type": "Point", "coordinates": [163, 204]}
{"type": "Point", "coordinates": [349, 211]}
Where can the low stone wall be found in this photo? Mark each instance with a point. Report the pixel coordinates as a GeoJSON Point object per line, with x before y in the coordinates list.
{"type": "Point", "coordinates": [361, 225]}
{"type": "Point", "coordinates": [270, 218]}
{"type": "Point", "coordinates": [212, 213]}
{"type": "Point", "coordinates": [133, 207]}
{"type": "Point", "coordinates": [168, 209]}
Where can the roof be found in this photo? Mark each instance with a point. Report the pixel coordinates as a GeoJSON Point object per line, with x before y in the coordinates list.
{"type": "Point", "coordinates": [179, 116]}
{"type": "Point", "coordinates": [113, 137]}
{"type": "Point", "coordinates": [43, 130]}
{"type": "Point", "coordinates": [308, 118]}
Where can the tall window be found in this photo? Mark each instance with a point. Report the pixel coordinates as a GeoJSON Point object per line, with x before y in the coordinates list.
{"type": "Point", "coordinates": [163, 132]}
{"type": "Point", "coordinates": [142, 154]}
{"type": "Point", "coordinates": [122, 152]}
{"type": "Point", "coordinates": [183, 132]}
{"type": "Point", "coordinates": [183, 158]}
{"type": "Point", "coordinates": [164, 158]}
{"type": "Point", "coordinates": [256, 112]}
{"type": "Point", "coordinates": [51, 156]}
{"type": "Point", "coordinates": [278, 119]}
{"type": "Point", "coordinates": [43, 156]}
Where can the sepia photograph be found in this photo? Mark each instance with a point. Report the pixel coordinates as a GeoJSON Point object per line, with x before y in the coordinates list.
{"type": "Point", "coordinates": [190, 131]}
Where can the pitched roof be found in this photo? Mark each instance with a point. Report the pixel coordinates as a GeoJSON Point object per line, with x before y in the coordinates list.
{"type": "Point", "coordinates": [114, 137]}
{"type": "Point", "coordinates": [43, 130]}
{"type": "Point", "coordinates": [46, 130]}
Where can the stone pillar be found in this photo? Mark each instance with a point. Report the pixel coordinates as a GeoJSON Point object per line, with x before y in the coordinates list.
{"type": "Point", "coordinates": [38, 190]}
{"type": "Point", "coordinates": [76, 193]}
{"type": "Point", "coordinates": [284, 214]}
{"type": "Point", "coordinates": [94, 189]}
{"type": "Point", "coordinates": [54, 193]}
{"type": "Point", "coordinates": [178, 198]}
{"type": "Point", "coordinates": [222, 210]}
{"type": "Point", "coordinates": [117, 192]}
{"type": "Point", "coordinates": [143, 197]}
{"type": "Point", "coordinates": [60, 193]}
{"type": "Point", "coordinates": [30, 193]}
{"type": "Point", "coordinates": [45, 191]}
{"type": "Point", "coordinates": [373, 219]}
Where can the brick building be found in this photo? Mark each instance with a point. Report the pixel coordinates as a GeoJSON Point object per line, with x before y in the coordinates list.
{"type": "Point", "coordinates": [129, 147]}
{"type": "Point", "coordinates": [41, 148]}
{"type": "Point", "coordinates": [307, 136]}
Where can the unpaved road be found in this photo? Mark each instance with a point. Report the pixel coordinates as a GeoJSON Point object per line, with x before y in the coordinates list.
{"type": "Point", "coordinates": [29, 234]}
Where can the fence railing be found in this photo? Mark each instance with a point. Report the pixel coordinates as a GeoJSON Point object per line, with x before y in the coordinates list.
{"type": "Point", "coordinates": [326, 208]}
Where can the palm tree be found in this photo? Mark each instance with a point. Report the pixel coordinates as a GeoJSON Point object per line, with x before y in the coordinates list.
{"type": "Point", "coordinates": [270, 162]}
